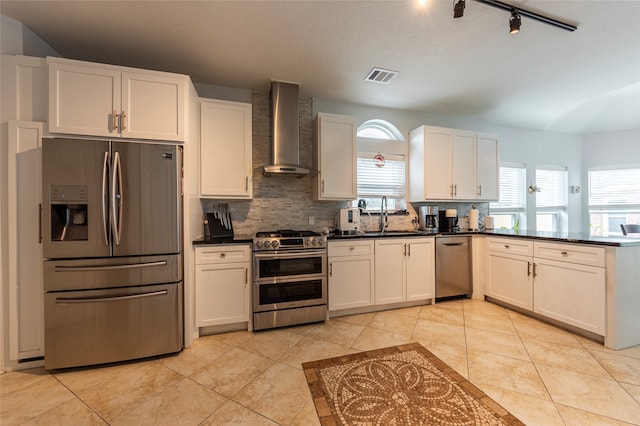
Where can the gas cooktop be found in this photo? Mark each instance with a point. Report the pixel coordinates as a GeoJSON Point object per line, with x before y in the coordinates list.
{"type": "Point", "coordinates": [285, 233]}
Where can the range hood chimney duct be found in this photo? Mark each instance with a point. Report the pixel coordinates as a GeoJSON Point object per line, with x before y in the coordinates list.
{"type": "Point", "coordinates": [285, 143]}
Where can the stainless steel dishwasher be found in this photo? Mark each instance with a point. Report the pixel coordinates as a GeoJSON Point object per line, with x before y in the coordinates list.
{"type": "Point", "coordinates": [453, 266]}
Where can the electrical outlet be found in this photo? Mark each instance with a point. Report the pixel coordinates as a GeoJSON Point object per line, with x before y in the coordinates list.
{"type": "Point", "coordinates": [312, 220]}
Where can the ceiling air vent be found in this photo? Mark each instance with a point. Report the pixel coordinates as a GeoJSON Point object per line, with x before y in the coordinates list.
{"type": "Point", "coordinates": [379, 75]}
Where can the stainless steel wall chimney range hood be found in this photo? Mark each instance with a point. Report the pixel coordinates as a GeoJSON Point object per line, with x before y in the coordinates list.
{"type": "Point", "coordinates": [285, 143]}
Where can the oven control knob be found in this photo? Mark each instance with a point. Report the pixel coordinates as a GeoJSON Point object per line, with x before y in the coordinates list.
{"type": "Point", "coordinates": [267, 244]}
{"type": "Point", "coordinates": [313, 242]}
{"type": "Point", "coordinates": [275, 244]}
{"type": "Point", "coordinates": [259, 243]}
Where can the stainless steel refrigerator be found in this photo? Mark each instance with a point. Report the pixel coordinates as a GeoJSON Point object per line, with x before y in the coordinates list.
{"type": "Point", "coordinates": [111, 228]}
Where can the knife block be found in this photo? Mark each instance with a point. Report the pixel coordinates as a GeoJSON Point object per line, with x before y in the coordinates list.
{"type": "Point", "coordinates": [216, 228]}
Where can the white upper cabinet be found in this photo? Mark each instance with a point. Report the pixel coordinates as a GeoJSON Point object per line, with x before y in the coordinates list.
{"type": "Point", "coordinates": [225, 149]}
{"type": "Point", "coordinates": [488, 167]}
{"type": "Point", "coordinates": [449, 164]}
{"type": "Point", "coordinates": [102, 100]}
{"type": "Point", "coordinates": [334, 157]}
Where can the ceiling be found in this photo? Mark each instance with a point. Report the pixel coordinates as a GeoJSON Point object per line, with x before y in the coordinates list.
{"type": "Point", "coordinates": [542, 78]}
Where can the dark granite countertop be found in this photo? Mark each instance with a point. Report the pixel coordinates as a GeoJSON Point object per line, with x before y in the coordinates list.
{"type": "Point", "coordinates": [235, 239]}
{"type": "Point", "coordinates": [581, 238]}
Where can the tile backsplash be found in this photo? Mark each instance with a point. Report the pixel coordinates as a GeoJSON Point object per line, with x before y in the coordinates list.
{"type": "Point", "coordinates": [285, 202]}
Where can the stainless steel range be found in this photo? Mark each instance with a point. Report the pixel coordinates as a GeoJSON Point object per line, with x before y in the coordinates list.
{"type": "Point", "coordinates": [289, 278]}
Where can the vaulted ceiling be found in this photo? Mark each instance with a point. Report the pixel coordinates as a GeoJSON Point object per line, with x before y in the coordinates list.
{"type": "Point", "coordinates": [541, 78]}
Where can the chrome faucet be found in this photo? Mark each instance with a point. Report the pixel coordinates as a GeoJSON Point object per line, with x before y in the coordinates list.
{"type": "Point", "coordinates": [384, 214]}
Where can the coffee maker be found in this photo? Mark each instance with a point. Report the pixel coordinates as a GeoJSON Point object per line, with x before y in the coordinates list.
{"type": "Point", "coordinates": [428, 218]}
{"type": "Point", "coordinates": [448, 220]}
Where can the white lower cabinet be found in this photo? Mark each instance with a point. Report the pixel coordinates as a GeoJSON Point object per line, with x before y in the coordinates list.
{"type": "Point", "coordinates": [223, 274]}
{"type": "Point", "coordinates": [509, 271]}
{"type": "Point", "coordinates": [565, 282]}
{"type": "Point", "coordinates": [351, 274]}
{"type": "Point", "coordinates": [571, 293]}
{"type": "Point", "coordinates": [404, 270]}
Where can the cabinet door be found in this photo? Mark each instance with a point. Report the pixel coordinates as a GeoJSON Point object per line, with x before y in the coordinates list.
{"type": "Point", "coordinates": [225, 150]}
{"type": "Point", "coordinates": [336, 158]}
{"type": "Point", "coordinates": [390, 271]}
{"type": "Point", "coordinates": [350, 282]}
{"type": "Point", "coordinates": [153, 107]}
{"type": "Point", "coordinates": [488, 168]}
{"type": "Point", "coordinates": [222, 294]}
{"type": "Point", "coordinates": [463, 170]}
{"type": "Point", "coordinates": [510, 279]}
{"type": "Point", "coordinates": [571, 293]}
{"type": "Point", "coordinates": [24, 191]}
{"type": "Point", "coordinates": [420, 264]}
{"type": "Point", "coordinates": [438, 163]}
{"type": "Point", "coordinates": [83, 100]}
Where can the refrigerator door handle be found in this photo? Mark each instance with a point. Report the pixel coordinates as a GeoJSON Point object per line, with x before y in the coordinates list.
{"type": "Point", "coordinates": [116, 210]}
{"type": "Point", "coordinates": [105, 179]}
{"type": "Point", "coordinates": [67, 300]}
{"type": "Point", "coordinates": [110, 267]}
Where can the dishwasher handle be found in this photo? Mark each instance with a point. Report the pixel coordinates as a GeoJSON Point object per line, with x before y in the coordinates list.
{"type": "Point", "coordinates": [455, 244]}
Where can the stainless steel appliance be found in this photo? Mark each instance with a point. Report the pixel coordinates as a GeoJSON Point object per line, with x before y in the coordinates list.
{"type": "Point", "coordinates": [348, 220]}
{"type": "Point", "coordinates": [453, 267]}
{"type": "Point", "coordinates": [448, 220]}
{"type": "Point", "coordinates": [289, 278]}
{"type": "Point", "coordinates": [428, 218]}
{"type": "Point", "coordinates": [111, 225]}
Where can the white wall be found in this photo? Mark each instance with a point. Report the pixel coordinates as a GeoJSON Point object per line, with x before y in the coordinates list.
{"type": "Point", "coordinates": [16, 39]}
{"type": "Point", "coordinates": [532, 147]}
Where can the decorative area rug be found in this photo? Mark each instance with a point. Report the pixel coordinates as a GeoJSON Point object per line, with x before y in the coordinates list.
{"type": "Point", "coordinates": [400, 385]}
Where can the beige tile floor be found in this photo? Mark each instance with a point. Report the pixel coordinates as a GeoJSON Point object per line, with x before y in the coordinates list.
{"type": "Point", "coordinates": [543, 375]}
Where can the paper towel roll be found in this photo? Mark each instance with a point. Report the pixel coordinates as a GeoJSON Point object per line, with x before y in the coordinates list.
{"type": "Point", "coordinates": [473, 219]}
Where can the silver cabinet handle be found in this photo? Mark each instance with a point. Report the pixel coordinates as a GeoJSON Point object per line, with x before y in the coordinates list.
{"type": "Point", "coordinates": [123, 122]}
{"type": "Point", "coordinates": [246, 276]}
{"type": "Point", "coordinates": [409, 249]}
{"type": "Point", "coordinates": [455, 190]}
{"type": "Point", "coordinates": [528, 269]}
{"type": "Point", "coordinates": [68, 300]}
{"type": "Point", "coordinates": [534, 270]}
{"type": "Point", "coordinates": [105, 173]}
{"type": "Point", "coordinates": [114, 121]}
{"type": "Point", "coordinates": [330, 269]}
{"type": "Point", "coordinates": [404, 246]}
{"type": "Point", "coordinates": [451, 189]}
{"type": "Point", "coordinates": [116, 215]}
{"type": "Point", "coordinates": [109, 267]}
{"type": "Point", "coordinates": [246, 184]}
{"type": "Point", "coordinates": [322, 190]}
{"type": "Point", "coordinates": [480, 190]}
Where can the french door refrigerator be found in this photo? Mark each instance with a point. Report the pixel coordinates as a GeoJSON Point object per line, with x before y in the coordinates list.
{"type": "Point", "coordinates": [111, 227]}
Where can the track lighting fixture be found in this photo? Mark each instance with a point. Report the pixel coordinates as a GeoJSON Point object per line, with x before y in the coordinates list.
{"type": "Point", "coordinates": [458, 8]}
{"type": "Point", "coordinates": [519, 12]}
{"type": "Point", "coordinates": [514, 22]}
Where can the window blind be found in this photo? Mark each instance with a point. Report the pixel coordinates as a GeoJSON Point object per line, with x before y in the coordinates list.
{"type": "Point", "coordinates": [553, 187]}
{"type": "Point", "coordinates": [375, 181]}
{"type": "Point", "coordinates": [614, 187]}
{"type": "Point", "coordinates": [512, 189]}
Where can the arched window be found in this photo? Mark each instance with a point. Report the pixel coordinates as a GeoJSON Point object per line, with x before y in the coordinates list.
{"type": "Point", "coordinates": [382, 152]}
{"type": "Point", "coordinates": [379, 129]}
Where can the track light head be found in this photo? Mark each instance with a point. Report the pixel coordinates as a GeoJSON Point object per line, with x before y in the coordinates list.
{"type": "Point", "coordinates": [458, 8]}
{"type": "Point", "coordinates": [514, 22]}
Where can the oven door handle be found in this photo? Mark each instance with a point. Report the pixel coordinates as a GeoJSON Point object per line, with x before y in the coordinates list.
{"type": "Point", "coordinates": [290, 255]}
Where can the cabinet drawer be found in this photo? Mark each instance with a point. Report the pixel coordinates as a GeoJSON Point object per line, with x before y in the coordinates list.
{"type": "Point", "coordinates": [510, 245]}
{"type": "Point", "coordinates": [350, 248]}
{"type": "Point", "coordinates": [574, 253]}
{"type": "Point", "coordinates": [223, 254]}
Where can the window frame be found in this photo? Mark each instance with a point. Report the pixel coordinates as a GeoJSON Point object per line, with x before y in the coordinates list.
{"type": "Point", "coordinates": [606, 211]}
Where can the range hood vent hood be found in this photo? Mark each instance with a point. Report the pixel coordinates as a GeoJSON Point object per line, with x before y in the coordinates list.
{"type": "Point", "coordinates": [285, 142]}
